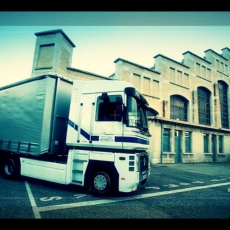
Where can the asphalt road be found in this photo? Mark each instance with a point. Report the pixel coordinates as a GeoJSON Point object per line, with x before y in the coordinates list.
{"type": "Point", "coordinates": [174, 191]}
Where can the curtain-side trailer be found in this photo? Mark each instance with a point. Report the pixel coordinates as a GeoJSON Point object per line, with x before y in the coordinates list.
{"type": "Point", "coordinates": [88, 133]}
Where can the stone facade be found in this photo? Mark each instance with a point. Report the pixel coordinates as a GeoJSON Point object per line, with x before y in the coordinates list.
{"type": "Point", "coordinates": [53, 54]}
{"type": "Point", "coordinates": [173, 140]}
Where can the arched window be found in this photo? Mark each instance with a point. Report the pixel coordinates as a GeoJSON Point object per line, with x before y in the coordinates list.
{"type": "Point", "coordinates": [204, 106]}
{"type": "Point", "coordinates": [223, 92]}
{"type": "Point", "coordinates": [178, 107]}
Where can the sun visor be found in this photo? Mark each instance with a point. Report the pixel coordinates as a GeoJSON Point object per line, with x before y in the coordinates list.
{"type": "Point", "coordinates": [151, 111]}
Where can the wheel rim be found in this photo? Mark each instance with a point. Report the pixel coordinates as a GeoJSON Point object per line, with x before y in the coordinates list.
{"type": "Point", "coordinates": [101, 182]}
{"type": "Point", "coordinates": [10, 167]}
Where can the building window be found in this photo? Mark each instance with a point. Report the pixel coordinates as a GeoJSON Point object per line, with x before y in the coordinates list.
{"type": "Point", "coordinates": [209, 74]}
{"type": "Point", "coordinates": [188, 142]}
{"type": "Point", "coordinates": [136, 80]}
{"type": "Point", "coordinates": [226, 69]}
{"type": "Point", "coordinates": [146, 85]}
{"type": "Point", "coordinates": [221, 149]}
{"type": "Point", "coordinates": [155, 92]}
{"type": "Point", "coordinates": [223, 92]}
{"type": "Point", "coordinates": [179, 77]}
{"type": "Point", "coordinates": [172, 75]}
{"type": "Point", "coordinates": [204, 106]}
{"type": "Point", "coordinates": [186, 80]}
{"type": "Point", "coordinates": [198, 69]}
{"type": "Point", "coordinates": [108, 109]}
{"type": "Point", "coordinates": [222, 67]}
{"type": "Point", "coordinates": [45, 56]}
{"type": "Point", "coordinates": [178, 108]}
{"type": "Point", "coordinates": [217, 64]}
{"type": "Point", "coordinates": [166, 140]}
{"type": "Point", "coordinates": [203, 72]}
{"type": "Point", "coordinates": [126, 76]}
{"type": "Point", "coordinates": [205, 143]}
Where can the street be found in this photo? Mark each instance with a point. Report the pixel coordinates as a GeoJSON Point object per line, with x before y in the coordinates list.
{"type": "Point", "coordinates": [175, 191]}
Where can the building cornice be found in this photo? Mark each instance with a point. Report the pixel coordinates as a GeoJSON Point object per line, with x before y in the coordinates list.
{"type": "Point", "coordinates": [140, 66]}
{"type": "Point", "coordinates": [226, 48]}
{"type": "Point", "coordinates": [197, 56]}
{"type": "Point", "coordinates": [188, 124]}
{"type": "Point", "coordinates": [86, 72]}
{"type": "Point", "coordinates": [55, 32]}
{"type": "Point", "coordinates": [216, 54]}
{"type": "Point", "coordinates": [179, 63]}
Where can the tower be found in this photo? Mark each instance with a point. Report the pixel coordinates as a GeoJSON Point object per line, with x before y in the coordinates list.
{"type": "Point", "coordinates": [53, 53]}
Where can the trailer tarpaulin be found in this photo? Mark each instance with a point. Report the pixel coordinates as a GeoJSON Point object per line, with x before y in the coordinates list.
{"type": "Point", "coordinates": [26, 116]}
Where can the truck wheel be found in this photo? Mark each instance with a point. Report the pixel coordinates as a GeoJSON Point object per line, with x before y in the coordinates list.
{"type": "Point", "coordinates": [101, 183]}
{"type": "Point", "coordinates": [11, 167]}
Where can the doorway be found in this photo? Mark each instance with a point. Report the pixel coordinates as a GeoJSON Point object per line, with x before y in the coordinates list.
{"type": "Point", "coordinates": [177, 146]}
{"type": "Point", "coordinates": [213, 148]}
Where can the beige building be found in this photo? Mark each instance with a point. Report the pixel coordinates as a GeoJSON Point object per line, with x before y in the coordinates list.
{"type": "Point", "coordinates": [191, 96]}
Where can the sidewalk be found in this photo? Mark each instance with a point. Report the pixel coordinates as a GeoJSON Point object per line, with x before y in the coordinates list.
{"type": "Point", "coordinates": [212, 169]}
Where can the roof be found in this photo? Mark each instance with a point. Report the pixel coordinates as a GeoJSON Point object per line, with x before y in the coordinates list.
{"type": "Point", "coordinates": [55, 32]}
{"type": "Point", "coordinates": [140, 66]}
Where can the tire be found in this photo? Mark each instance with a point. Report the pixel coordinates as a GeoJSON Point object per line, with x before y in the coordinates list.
{"type": "Point", "coordinates": [11, 167]}
{"type": "Point", "coordinates": [102, 183]}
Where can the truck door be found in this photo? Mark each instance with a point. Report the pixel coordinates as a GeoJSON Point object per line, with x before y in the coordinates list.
{"type": "Point", "coordinates": [79, 126]}
{"type": "Point", "coordinates": [107, 125]}
{"type": "Point", "coordinates": [83, 119]}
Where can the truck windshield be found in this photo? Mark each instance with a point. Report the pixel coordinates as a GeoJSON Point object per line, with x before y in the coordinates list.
{"type": "Point", "coordinates": [136, 114]}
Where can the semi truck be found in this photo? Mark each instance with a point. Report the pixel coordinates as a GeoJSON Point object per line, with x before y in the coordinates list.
{"type": "Point", "coordinates": [91, 133]}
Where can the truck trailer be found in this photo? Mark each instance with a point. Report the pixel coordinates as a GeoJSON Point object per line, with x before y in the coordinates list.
{"type": "Point", "coordinates": [87, 133]}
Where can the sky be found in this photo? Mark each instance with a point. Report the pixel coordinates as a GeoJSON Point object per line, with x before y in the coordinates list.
{"type": "Point", "coordinates": [102, 37]}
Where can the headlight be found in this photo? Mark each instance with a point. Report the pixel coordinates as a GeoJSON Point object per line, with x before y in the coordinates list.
{"type": "Point", "coordinates": [137, 163]}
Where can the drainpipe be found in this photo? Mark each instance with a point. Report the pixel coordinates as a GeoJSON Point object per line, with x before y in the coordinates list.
{"type": "Point", "coordinates": [162, 128]}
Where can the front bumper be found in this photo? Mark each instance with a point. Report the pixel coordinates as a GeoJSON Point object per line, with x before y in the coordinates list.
{"type": "Point", "coordinates": [139, 181]}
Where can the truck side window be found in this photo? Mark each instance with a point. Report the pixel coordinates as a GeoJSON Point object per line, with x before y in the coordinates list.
{"type": "Point", "coordinates": [109, 108]}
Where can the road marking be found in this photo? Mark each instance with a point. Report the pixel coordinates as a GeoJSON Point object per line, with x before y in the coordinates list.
{"type": "Point", "coordinates": [51, 198]}
{"type": "Point", "coordinates": [79, 195]}
{"type": "Point", "coordinates": [32, 202]}
{"type": "Point", "coordinates": [113, 200]}
{"type": "Point", "coordinates": [152, 187]}
{"type": "Point", "coordinates": [197, 182]}
{"type": "Point", "coordinates": [171, 185]}
{"type": "Point", "coordinates": [185, 183]}
{"type": "Point", "coordinates": [228, 189]}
